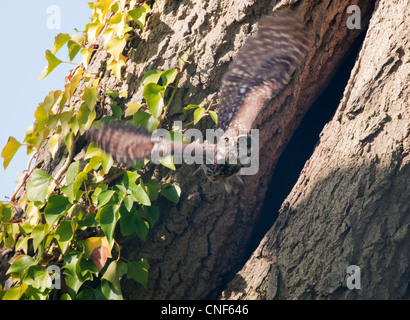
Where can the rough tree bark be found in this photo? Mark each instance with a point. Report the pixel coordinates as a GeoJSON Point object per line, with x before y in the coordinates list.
{"type": "Point", "coordinates": [200, 243]}
{"type": "Point", "coordinates": [351, 204]}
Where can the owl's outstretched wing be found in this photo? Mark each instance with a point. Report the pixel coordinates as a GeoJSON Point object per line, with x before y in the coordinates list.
{"type": "Point", "coordinates": [125, 142]}
{"type": "Point", "coordinates": [129, 144]}
{"type": "Point", "coordinates": [261, 68]}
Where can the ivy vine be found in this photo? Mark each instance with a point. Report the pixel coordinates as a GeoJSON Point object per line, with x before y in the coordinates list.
{"type": "Point", "coordinates": [70, 218]}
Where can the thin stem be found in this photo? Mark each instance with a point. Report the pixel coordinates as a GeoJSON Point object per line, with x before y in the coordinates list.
{"type": "Point", "coordinates": [174, 90]}
{"type": "Point", "coordinates": [23, 180]}
{"type": "Point", "coordinates": [70, 62]}
{"type": "Point", "coordinates": [119, 250]}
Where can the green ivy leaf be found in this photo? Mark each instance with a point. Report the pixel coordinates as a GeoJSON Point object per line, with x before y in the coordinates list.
{"type": "Point", "coordinates": [198, 114]}
{"type": "Point", "coordinates": [22, 243]}
{"type": "Point", "coordinates": [60, 40]}
{"type": "Point", "coordinates": [86, 268]}
{"type": "Point", "coordinates": [38, 185]}
{"type": "Point", "coordinates": [41, 115]}
{"type": "Point", "coordinates": [93, 29]}
{"type": "Point", "coordinates": [85, 116]}
{"type": "Point", "coordinates": [115, 46]}
{"type": "Point", "coordinates": [6, 212]}
{"type": "Point", "coordinates": [53, 62]}
{"type": "Point", "coordinates": [21, 264]}
{"type": "Point", "coordinates": [169, 76]}
{"type": "Point", "coordinates": [132, 108]}
{"type": "Point", "coordinates": [145, 120]}
{"type": "Point", "coordinates": [151, 76]}
{"type": "Point", "coordinates": [72, 279]}
{"type": "Point", "coordinates": [129, 179]}
{"type": "Point", "coordinates": [55, 208]}
{"type": "Point", "coordinates": [107, 217]}
{"type": "Point", "coordinates": [116, 110]}
{"type": "Point", "coordinates": [12, 231]}
{"type": "Point", "coordinates": [140, 195]}
{"type": "Point", "coordinates": [38, 234]}
{"type": "Point", "coordinates": [75, 44]}
{"type": "Point", "coordinates": [74, 126]}
{"type": "Point", "coordinates": [107, 291]}
{"type": "Point", "coordinates": [104, 197]}
{"type": "Point", "coordinates": [86, 55]}
{"type": "Point", "coordinates": [138, 270]}
{"type": "Point", "coordinates": [129, 202]}
{"type": "Point", "coordinates": [106, 162]}
{"type": "Point", "coordinates": [72, 190]}
{"type": "Point", "coordinates": [114, 273]}
{"type": "Point", "coordinates": [90, 97]}
{"type": "Point", "coordinates": [154, 96]}
{"type": "Point", "coordinates": [190, 107]}
{"type": "Point", "coordinates": [116, 66]}
{"type": "Point", "coordinates": [100, 188]}
{"type": "Point", "coordinates": [88, 294]}
{"type": "Point", "coordinates": [131, 223]}
{"type": "Point", "coordinates": [172, 193]}
{"type": "Point", "coordinates": [214, 116]}
{"type": "Point", "coordinates": [38, 278]}
{"type": "Point", "coordinates": [168, 161]}
{"type": "Point", "coordinates": [116, 18]}
{"type": "Point", "coordinates": [153, 188]}
{"type": "Point", "coordinates": [139, 14]}
{"type": "Point", "coordinates": [26, 228]}
{"type": "Point", "coordinates": [72, 85]}
{"type": "Point", "coordinates": [33, 213]}
{"type": "Point", "coordinates": [72, 172]}
{"type": "Point", "coordinates": [114, 94]}
{"type": "Point", "coordinates": [149, 214]}
{"type": "Point", "coordinates": [92, 151]}
{"type": "Point", "coordinates": [64, 234]}
{"type": "Point", "coordinates": [53, 143]}
{"type": "Point", "coordinates": [9, 151]}
{"type": "Point", "coordinates": [68, 140]}
{"type": "Point", "coordinates": [15, 292]}
{"type": "Point", "coordinates": [92, 164]}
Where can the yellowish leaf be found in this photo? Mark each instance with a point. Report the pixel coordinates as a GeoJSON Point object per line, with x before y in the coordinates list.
{"type": "Point", "coordinates": [132, 107]}
{"type": "Point", "coordinates": [116, 66]}
{"type": "Point", "coordinates": [72, 85]}
{"type": "Point", "coordinates": [86, 54]}
{"type": "Point", "coordinates": [53, 142]}
{"type": "Point", "coordinates": [9, 151]}
{"type": "Point", "coordinates": [115, 46]}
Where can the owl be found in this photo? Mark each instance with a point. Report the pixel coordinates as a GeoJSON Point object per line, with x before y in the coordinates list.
{"type": "Point", "coordinates": [261, 68]}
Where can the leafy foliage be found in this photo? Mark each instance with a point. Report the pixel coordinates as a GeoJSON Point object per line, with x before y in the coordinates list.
{"type": "Point", "coordinates": [75, 219]}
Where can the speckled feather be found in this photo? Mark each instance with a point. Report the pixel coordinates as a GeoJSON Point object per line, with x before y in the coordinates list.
{"type": "Point", "coordinates": [126, 143]}
{"type": "Point", "coordinates": [261, 68]}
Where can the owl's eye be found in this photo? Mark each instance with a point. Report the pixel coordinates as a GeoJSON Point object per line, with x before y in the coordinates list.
{"type": "Point", "coordinates": [226, 139]}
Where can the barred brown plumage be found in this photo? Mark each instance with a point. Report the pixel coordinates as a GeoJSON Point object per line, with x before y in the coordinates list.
{"type": "Point", "coordinates": [262, 67]}
{"type": "Point", "coordinates": [260, 70]}
{"type": "Point", "coordinates": [125, 142]}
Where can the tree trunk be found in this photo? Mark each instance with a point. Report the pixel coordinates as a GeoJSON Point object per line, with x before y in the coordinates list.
{"type": "Point", "coordinates": [351, 204]}
{"type": "Point", "coordinates": [199, 244]}
{"type": "Point", "coordinates": [202, 242]}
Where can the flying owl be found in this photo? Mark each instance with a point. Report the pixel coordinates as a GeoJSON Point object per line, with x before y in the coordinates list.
{"type": "Point", "coordinates": [261, 68]}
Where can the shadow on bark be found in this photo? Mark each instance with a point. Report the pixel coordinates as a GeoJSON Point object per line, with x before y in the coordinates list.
{"type": "Point", "coordinates": [367, 226]}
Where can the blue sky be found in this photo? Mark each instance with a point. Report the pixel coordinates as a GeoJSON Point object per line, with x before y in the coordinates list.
{"type": "Point", "coordinates": [25, 36]}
